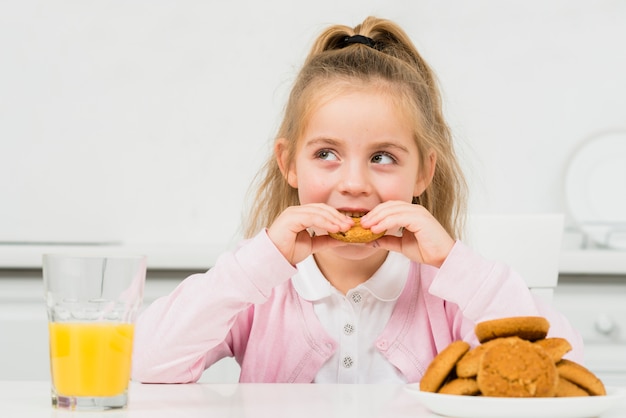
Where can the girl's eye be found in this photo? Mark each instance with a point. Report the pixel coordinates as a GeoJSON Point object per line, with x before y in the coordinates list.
{"type": "Point", "coordinates": [383, 158]}
{"type": "Point", "coordinates": [325, 154]}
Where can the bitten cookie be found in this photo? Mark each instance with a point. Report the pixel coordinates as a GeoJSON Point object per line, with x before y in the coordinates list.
{"type": "Point", "coordinates": [514, 367]}
{"type": "Point", "coordinates": [356, 234]}
{"type": "Point", "coordinates": [555, 347]}
{"type": "Point", "coordinates": [529, 328]}
{"type": "Point", "coordinates": [581, 376]}
{"type": "Point", "coordinates": [441, 366]}
{"type": "Point", "coordinates": [468, 364]}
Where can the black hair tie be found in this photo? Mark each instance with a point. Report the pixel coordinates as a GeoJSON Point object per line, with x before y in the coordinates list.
{"type": "Point", "coordinates": [357, 39]}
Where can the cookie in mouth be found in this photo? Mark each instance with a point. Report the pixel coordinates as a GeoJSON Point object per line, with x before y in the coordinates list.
{"type": "Point", "coordinates": [356, 234]}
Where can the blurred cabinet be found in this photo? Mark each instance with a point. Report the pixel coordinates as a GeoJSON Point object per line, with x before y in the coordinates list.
{"type": "Point", "coordinates": [24, 325]}
{"type": "Point", "coordinates": [595, 304]}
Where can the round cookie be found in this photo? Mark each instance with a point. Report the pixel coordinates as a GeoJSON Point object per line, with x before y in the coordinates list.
{"type": "Point", "coordinates": [529, 328]}
{"type": "Point", "coordinates": [356, 234]}
{"type": "Point", "coordinates": [555, 347]}
{"type": "Point", "coordinates": [439, 369]}
{"type": "Point", "coordinates": [514, 367]}
{"type": "Point", "coordinates": [581, 376]}
{"type": "Point", "coordinates": [460, 386]}
{"type": "Point", "coordinates": [565, 389]}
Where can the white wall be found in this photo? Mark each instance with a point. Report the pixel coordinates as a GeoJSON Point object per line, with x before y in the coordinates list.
{"type": "Point", "coordinates": [144, 121]}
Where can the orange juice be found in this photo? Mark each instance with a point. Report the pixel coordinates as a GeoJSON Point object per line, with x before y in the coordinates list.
{"type": "Point", "coordinates": [90, 359]}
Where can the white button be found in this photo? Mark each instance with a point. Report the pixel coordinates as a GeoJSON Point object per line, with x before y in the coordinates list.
{"type": "Point", "coordinates": [356, 297]}
{"type": "Point", "coordinates": [347, 362]}
{"type": "Point", "coordinates": [348, 329]}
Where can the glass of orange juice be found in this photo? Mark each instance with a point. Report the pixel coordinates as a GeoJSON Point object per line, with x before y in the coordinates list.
{"type": "Point", "coordinates": [92, 304]}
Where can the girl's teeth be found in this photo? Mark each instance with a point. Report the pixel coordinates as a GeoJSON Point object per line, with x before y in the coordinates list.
{"type": "Point", "coordinates": [354, 214]}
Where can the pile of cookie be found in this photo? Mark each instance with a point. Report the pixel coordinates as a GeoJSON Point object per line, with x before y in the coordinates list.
{"type": "Point", "coordinates": [514, 359]}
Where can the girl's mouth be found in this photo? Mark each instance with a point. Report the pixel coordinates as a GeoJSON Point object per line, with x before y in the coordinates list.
{"type": "Point", "coordinates": [353, 214]}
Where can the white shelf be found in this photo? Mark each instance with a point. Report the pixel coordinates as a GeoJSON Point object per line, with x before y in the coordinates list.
{"type": "Point", "coordinates": [160, 256]}
{"type": "Point", "coordinates": [593, 261]}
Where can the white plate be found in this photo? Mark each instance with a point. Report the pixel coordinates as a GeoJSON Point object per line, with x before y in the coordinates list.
{"type": "Point", "coordinates": [595, 188]}
{"type": "Point", "coordinates": [488, 407]}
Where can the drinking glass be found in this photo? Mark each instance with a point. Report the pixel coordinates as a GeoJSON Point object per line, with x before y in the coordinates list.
{"type": "Point", "coordinates": [92, 304]}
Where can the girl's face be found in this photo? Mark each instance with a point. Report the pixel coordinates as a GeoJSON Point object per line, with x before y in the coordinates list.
{"type": "Point", "coordinates": [357, 151]}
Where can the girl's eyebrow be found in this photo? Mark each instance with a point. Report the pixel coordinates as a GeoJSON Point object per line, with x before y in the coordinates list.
{"type": "Point", "coordinates": [321, 141]}
{"type": "Point", "coordinates": [389, 144]}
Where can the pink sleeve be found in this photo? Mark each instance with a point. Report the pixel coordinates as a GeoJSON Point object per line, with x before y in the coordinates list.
{"type": "Point", "coordinates": [175, 333]}
{"type": "Point", "coordinates": [485, 290]}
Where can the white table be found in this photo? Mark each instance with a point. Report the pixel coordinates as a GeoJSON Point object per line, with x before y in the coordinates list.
{"type": "Point", "coordinates": [21, 399]}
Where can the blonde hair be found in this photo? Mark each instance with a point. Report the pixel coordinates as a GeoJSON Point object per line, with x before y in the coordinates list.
{"type": "Point", "coordinates": [392, 63]}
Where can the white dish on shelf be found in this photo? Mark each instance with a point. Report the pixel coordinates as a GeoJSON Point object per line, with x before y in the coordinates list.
{"type": "Point", "coordinates": [595, 188]}
{"type": "Point", "coordinates": [490, 407]}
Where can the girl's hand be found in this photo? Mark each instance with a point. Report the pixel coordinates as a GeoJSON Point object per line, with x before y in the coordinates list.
{"type": "Point", "coordinates": [289, 230]}
{"type": "Point", "coordinates": [423, 238]}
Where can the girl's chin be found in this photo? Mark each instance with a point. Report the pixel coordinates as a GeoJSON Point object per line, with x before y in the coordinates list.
{"type": "Point", "coordinates": [355, 251]}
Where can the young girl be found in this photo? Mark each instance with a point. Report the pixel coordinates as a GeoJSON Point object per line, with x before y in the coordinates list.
{"type": "Point", "coordinates": [363, 136]}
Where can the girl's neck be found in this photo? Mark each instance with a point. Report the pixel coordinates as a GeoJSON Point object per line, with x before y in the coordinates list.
{"type": "Point", "coordinates": [345, 274]}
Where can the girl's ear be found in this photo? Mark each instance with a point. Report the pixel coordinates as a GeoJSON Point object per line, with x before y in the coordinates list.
{"type": "Point", "coordinates": [426, 174]}
{"type": "Point", "coordinates": [281, 151]}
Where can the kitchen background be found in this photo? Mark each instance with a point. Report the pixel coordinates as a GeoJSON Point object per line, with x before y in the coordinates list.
{"type": "Point", "coordinates": [138, 125]}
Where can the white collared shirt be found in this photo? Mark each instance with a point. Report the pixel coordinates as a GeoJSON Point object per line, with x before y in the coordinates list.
{"type": "Point", "coordinates": [355, 320]}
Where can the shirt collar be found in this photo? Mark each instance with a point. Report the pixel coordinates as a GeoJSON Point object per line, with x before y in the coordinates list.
{"type": "Point", "coordinates": [386, 284]}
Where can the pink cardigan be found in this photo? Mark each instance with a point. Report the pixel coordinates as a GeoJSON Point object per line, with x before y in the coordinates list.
{"type": "Point", "coordinates": [247, 307]}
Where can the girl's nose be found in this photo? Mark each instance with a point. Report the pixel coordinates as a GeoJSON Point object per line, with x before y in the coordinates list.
{"type": "Point", "coordinates": [354, 180]}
